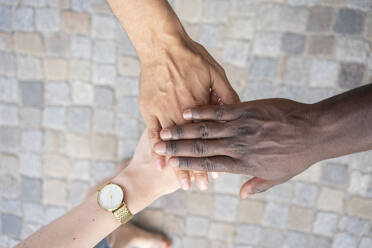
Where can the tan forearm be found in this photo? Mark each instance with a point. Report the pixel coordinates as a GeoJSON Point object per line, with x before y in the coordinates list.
{"type": "Point", "coordinates": [150, 24]}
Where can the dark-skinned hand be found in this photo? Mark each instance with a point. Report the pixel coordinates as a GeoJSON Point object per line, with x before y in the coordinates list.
{"type": "Point", "coordinates": [270, 140]}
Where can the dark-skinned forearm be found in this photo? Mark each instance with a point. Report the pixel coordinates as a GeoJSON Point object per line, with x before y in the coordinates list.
{"type": "Point", "coordinates": [343, 123]}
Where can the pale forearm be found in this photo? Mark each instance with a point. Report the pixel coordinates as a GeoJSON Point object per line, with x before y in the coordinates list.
{"type": "Point", "coordinates": [151, 24]}
{"type": "Point", "coordinates": [344, 122]}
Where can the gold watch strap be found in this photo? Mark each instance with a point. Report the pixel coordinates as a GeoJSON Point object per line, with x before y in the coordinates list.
{"type": "Point", "coordinates": [123, 214]}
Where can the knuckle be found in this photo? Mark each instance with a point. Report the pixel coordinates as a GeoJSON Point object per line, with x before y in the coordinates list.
{"type": "Point", "coordinates": [171, 147]}
{"type": "Point", "coordinates": [185, 163]}
{"type": "Point", "coordinates": [203, 130]}
{"type": "Point", "coordinates": [178, 132]}
{"type": "Point", "coordinates": [248, 114]}
{"type": "Point", "coordinates": [220, 111]}
{"type": "Point", "coordinates": [153, 133]}
{"type": "Point", "coordinates": [199, 147]}
{"type": "Point", "coordinates": [244, 130]}
{"type": "Point", "coordinates": [206, 164]}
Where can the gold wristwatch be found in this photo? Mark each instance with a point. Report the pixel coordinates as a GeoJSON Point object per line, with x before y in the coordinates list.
{"type": "Point", "coordinates": [111, 198]}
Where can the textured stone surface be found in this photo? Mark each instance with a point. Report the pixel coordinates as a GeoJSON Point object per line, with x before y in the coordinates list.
{"type": "Point", "coordinates": [64, 56]}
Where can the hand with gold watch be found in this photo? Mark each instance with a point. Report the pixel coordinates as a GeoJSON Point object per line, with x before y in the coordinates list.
{"type": "Point", "coordinates": [127, 193]}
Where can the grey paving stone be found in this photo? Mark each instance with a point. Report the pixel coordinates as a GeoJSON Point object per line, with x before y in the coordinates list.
{"type": "Point", "coordinates": [103, 74]}
{"type": "Point", "coordinates": [271, 238]}
{"type": "Point", "coordinates": [303, 2]}
{"type": "Point", "coordinates": [32, 93]}
{"type": "Point", "coordinates": [365, 242]}
{"type": "Point", "coordinates": [58, 44]}
{"type": "Point", "coordinates": [242, 28]}
{"type": "Point", "coordinates": [104, 51]}
{"type": "Point", "coordinates": [297, 70]}
{"type": "Point", "coordinates": [82, 93]}
{"type": "Point", "coordinates": [221, 231]}
{"type": "Point", "coordinates": [257, 89]}
{"type": "Point", "coordinates": [305, 194]}
{"type": "Point", "coordinates": [29, 68]}
{"type": "Point", "coordinates": [34, 3]}
{"type": "Point", "coordinates": [81, 47]}
{"type": "Point", "coordinates": [31, 189]}
{"type": "Point", "coordinates": [57, 94]}
{"type": "Point", "coordinates": [52, 213]}
{"type": "Point", "coordinates": [325, 224]}
{"type": "Point", "coordinates": [194, 242]}
{"type": "Point", "coordinates": [267, 43]}
{"type": "Point", "coordinates": [104, 120]}
{"type": "Point", "coordinates": [126, 148]}
{"type": "Point", "coordinates": [103, 96]}
{"type": "Point", "coordinates": [47, 19]}
{"type": "Point", "coordinates": [30, 164]}
{"type": "Point", "coordinates": [323, 73]}
{"type": "Point", "coordinates": [77, 192]}
{"type": "Point", "coordinates": [176, 203]}
{"type": "Point", "coordinates": [103, 169]}
{"type": "Point", "coordinates": [7, 64]}
{"type": "Point", "coordinates": [79, 119]}
{"type": "Point", "coordinates": [103, 27]}
{"type": "Point", "coordinates": [265, 68]}
{"type": "Point", "coordinates": [295, 239]}
{"type": "Point", "coordinates": [290, 92]}
{"type": "Point", "coordinates": [54, 117]}
{"type": "Point", "coordinates": [11, 206]}
{"type": "Point", "coordinates": [351, 49]}
{"type": "Point", "coordinates": [343, 240]}
{"type": "Point", "coordinates": [354, 225]}
{"type": "Point", "coordinates": [127, 86]}
{"type": "Point", "coordinates": [275, 215]}
{"type": "Point", "coordinates": [127, 128]}
{"type": "Point", "coordinates": [293, 43]}
{"type": "Point", "coordinates": [248, 234]}
{"type": "Point", "coordinates": [174, 224]}
{"type": "Point", "coordinates": [124, 44]}
{"type": "Point", "coordinates": [236, 52]}
{"type": "Point", "coordinates": [360, 4]}
{"type": "Point", "coordinates": [8, 115]}
{"type": "Point", "coordinates": [197, 226]}
{"type": "Point", "coordinates": [33, 212]}
{"type": "Point", "coordinates": [8, 89]}
{"type": "Point", "coordinates": [320, 19]}
{"type": "Point", "coordinates": [351, 75]}
{"type": "Point", "coordinates": [226, 208]}
{"type": "Point", "coordinates": [210, 35]}
{"type": "Point", "coordinates": [24, 19]}
{"type": "Point", "coordinates": [281, 193]}
{"type": "Point", "coordinates": [228, 184]}
{"type": "Point", "coordinates": [5, 18]}
{"type": "Point", "coordinates": [81, 5]}
{"type": "Point", "coordinates": [321, 45]}
{"type": "Point", "coordinates": [32, 140]}
{"type": "Point", "coordinates": [11, 225]}
{"type": "Point", "coordinates": [314, 95]}
{"type": "Point", "coordinates": [215, 10]}
{"type": "Point", "coordinates": [80, 169]}
{"type": "Point", "coordinates": [319, 242]}
{"type": "Point", "coordinates": [128, 107]}
{"type": "Point", "coordinates": [336, 174]}
{"type": "Point", "coordinates": [349, 21]}
{"type": "Point", "coordinates": [9, 138]}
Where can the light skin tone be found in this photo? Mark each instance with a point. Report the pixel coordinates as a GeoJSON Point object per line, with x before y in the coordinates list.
{"type": "Point", "coordinates": [87, 224]}
{"type": "Point", "coordinates": [176, 72]}
{"type": "Point", "coordinates": [272, 140]}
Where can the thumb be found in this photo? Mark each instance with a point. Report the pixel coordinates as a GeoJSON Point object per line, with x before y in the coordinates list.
{"type": "Point", "coordinates": [222, 87]}
{"type": "Point", "coordinates": [257, 185]}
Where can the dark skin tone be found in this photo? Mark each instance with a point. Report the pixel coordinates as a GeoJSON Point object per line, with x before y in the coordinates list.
{"type": "Point", "coordinates": [272, 140]}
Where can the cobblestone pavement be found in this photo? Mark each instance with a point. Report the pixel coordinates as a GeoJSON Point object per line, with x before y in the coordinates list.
{"type": "Point", "coordinates": [68, 114]}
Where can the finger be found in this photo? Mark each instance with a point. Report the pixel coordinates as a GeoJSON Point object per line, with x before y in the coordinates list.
{"type": "Point", "coordinates": [193, 148]}
{"type": "Point", "coordinates": [222, 87]}
{"type": "Point", "coordinates": [201, 179]}
{"type": "Point", "coordinates": [257, 185]}
{"type": "Point", "coordinates": [200, 130]}
{"type": "Point", "coordinates": [153, 129]}
{"type": "Point", "coordinates": [183, 177]}
{"type": "Point", "coordinates": [211, 164]}
{"type": "Point", "coordinates": [215, 99]}
{"type": "Point", "coordinates": [212, 112]}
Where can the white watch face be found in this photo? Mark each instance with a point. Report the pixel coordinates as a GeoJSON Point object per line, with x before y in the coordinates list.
{"type": "Point", "coordinates": [110, 196]}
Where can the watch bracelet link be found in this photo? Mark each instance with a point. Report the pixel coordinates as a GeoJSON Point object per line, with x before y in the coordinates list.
{"type": "Point", "coordinates": [123, 214]}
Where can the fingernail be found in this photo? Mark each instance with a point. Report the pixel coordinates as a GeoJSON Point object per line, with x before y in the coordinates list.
{"type": "Point", "coordinates": [187, 114]}
{"type": "Point", "coordinates": [215, 175]}
{"type": "Point", "coordinates": [185, 184]}
{"type": "Point", "coordinates": [160, 148]}
{"type": "Point", "coordinates": [203, 185]}
{"type": "Point", "coordinates": [245, 194]}
{"type": "Point", "coordinates": [165, 134]}
{"type": "Point", "coordinates": [174, 162]}
{"type": "Point", "coordinates": [159, 164]}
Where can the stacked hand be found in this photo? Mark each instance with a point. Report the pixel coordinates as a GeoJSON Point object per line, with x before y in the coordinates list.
{"type": "Point", "coordinates": [173, 80]}
{"type": "Point", "coordinates": [267, 139]}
